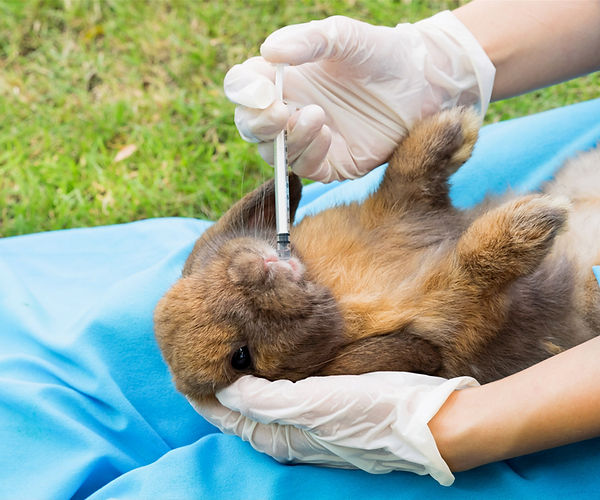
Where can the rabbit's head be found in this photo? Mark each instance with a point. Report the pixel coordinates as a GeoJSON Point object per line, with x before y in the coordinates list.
{"type": "Point", "coordinates": [239, 309]}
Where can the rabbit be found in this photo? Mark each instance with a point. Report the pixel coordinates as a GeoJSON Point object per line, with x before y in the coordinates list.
{"type": "Point", "coordinates": [403, 281]}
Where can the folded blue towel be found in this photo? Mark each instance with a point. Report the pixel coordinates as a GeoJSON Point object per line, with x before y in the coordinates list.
{"type": "Point", "coordinates": [87, 406]}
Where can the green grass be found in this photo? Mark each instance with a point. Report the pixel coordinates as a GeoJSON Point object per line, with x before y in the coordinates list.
{"type": "Point", "coordinates": [81, 79]}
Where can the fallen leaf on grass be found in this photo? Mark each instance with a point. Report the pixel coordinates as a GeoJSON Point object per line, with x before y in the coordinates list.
{"type": "Point", "coordinates": [125, 152]}
{"type": "Point", "coordinates": [93, 33]}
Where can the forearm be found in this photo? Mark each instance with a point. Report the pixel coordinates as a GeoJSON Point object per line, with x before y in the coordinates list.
{"type": "Point", "coordinates": [553, 403]}
{"type": "Point", "coordinates": [532, 43]}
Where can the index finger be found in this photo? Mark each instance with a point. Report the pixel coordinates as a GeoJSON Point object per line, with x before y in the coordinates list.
{"type": "Point", "coordinates": [251, 83]}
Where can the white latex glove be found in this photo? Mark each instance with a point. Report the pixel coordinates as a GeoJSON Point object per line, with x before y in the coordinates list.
{"type": "Point", "coordinates": [376, 422]}
{"type": "Point", "coordinates": [353, 89]}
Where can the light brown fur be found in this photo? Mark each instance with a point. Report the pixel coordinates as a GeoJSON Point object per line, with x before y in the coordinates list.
{"type": "Point", "coordinates": [403, 281]}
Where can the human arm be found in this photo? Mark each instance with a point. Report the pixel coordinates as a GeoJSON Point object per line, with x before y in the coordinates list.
{"type": "Point", "coordinates": [531, 44]}
{"type": "Point", "coordinates": [534, 44]}
{"type": "Point", "coordinates": [552, 403]}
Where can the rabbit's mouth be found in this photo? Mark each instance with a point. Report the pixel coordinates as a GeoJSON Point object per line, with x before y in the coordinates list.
{"type": "Point", "coordinates": [292, 267]}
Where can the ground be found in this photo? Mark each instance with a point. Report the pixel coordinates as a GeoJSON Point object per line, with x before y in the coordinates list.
{"type": "Point", "coordinates": [113, 110]}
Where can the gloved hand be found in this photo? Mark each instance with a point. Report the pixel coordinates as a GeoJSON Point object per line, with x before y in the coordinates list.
{"type": "Point", "coordinates": [376, 422]}
{"type": "Point", "coordinates": [353, 89]}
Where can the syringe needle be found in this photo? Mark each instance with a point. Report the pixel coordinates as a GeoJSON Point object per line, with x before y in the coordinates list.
{"type": "Point", "coordinates": [282, 194]}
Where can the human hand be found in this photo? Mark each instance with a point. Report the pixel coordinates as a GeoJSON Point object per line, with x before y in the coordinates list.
{"type": "Point", "coordinates": [353, 89]}
{"type": "Point", "coordinates": [376, 421]}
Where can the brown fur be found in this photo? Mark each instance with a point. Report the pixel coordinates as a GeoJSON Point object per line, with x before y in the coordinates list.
{"type": "Point", "coordinates": [403, 281]}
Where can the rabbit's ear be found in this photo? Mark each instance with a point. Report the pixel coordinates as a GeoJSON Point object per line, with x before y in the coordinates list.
{"type": "Point", "coordinates": [256, 210]}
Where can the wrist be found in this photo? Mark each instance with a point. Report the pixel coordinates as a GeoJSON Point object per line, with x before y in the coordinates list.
{"type": "Point", "coordinates": [469, 431]}
{"type": "Point", "coordinates": [452, 429]}
{"type": "Point", "coordinates": [457, 53]}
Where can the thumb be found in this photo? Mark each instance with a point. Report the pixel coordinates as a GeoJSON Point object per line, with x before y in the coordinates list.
{"type": "Point", "coordinates": [313, 41]}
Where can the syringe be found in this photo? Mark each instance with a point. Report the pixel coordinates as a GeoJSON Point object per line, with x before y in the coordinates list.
{"type": "Point", "coordinates": [282, 190]}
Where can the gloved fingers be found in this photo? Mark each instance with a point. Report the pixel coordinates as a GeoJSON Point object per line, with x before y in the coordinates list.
{"type": "Point", "coordinates": [260, 125]}
{"type": "Point", "coordinates": [328, 38]}
{"type": "Point", "coordinates": [317, 403]}
{"type": "Point", "coordinates": [266, 151]}
{"type": "Point", "coordinates": [283, 442]}
{"type": "Point", "coordinates": [302, 127]}
{"type": "Point", "coordinates": [251, 83]}
{"type": "Point", "coordinates": [220, 416]}
{"type": "Point", "coordinates": [306, 404]}
{"type": "Point", "coordinates": [312, 162]}
{"type": "Point", "coordinates": [273, 439]}
{"type": "Point", "coordinates": [288, 444]}
{"type": "Point", "coordinates": [318, 153]}
{"type": "Point", "coordinates": [328, 158]}
{"type": "Point", "coordinates": [267, 402]}
{"type": "Point", "coordinates": [308, 142]}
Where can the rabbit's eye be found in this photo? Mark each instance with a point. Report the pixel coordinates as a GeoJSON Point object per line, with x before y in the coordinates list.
{"type": "Point", "coordinates": [241, 359]}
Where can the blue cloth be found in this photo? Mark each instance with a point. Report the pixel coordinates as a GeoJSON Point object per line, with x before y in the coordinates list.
{"type": "Point", "coordinates": [87, 406]}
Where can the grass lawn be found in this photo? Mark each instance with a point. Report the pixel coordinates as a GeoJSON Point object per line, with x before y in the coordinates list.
{"type": "Point", "coordinates": [84, 83]}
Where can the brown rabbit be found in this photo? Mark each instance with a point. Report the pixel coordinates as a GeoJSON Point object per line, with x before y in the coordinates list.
{"type": "Point", "coordinates": [403, 281]}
